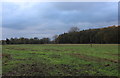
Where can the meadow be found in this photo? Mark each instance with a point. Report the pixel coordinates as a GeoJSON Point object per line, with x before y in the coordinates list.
{"type": "Point", "coordinates": [60, 60]}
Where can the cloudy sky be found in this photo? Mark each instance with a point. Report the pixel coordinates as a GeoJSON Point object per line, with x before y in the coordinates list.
{"type": "Point", "coordinates": [45, 19]}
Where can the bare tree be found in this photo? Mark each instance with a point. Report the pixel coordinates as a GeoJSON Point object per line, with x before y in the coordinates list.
{"type": "Point", "coordinates": [74, 29]}
{"type": "Point", "coordinates": [54, 38]}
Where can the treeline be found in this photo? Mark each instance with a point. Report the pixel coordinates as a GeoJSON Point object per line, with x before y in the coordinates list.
{"type": "Point", "coordinates": [23, 40]}
{"type": "Point", "coordinates": [107, 35]}
{"type": "Point", "coordinates": [101, 36]}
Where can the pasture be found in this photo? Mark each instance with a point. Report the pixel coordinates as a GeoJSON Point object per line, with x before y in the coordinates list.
{"type": "Point", "coordinates": [60, 60]}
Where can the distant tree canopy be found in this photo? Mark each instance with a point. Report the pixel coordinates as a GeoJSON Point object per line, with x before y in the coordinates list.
{"type": "Point", "coordinates": [23, 40]}
{"type": "Point", "coordinates": [100, 35]}
{"type": "Point", "coordinates": [74, 36]}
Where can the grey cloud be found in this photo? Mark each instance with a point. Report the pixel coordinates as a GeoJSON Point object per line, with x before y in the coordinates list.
{"type": "Point", "coordinates": [55, 18]}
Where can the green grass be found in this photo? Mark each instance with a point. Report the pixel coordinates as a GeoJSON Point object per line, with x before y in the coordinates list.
{"type": "Point", "coordinates": [60, 60]}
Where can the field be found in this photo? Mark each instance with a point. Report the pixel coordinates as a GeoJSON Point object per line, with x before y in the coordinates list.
{"type": "Point", "coordinates": [60, 60]}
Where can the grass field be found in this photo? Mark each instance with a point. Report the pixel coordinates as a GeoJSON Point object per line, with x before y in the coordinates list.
{"type": "Point", "coordinates": [60, 60]}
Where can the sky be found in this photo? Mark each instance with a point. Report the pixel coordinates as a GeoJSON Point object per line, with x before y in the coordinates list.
{"type": "Point", "coordinates": [46, 19]}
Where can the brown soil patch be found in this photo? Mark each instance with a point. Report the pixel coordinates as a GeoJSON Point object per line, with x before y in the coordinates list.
{"type": "Point", "coordinates": [70, 50]}
{"type": "Point", "coordinates": [25, 49]}
{"type": "Point", "coordinates": [5, 55]}
{"type": "Point", "coordinates": [21, 59]}
{"type": "Point", "coordinates": [0, 55]}
{"type": "Point", "coordinates": [112, 54]}
{"type": "Point", "coordinates": [92, 58]}
{"type": "Point", "coordinates": [37, 53]}
{"type": "Point", "coordinates": [52, 50]}
{"type": "Point", "coordinates": [17, 48]}
{"type": "Point", "coordinates": [34, 50]}
{"type": "Point", "coordinates": [116, 54]}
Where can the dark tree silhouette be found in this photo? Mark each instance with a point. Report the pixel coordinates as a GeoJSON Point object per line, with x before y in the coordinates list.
{"type": "Point", "coordinates": [74, 36]}
{"type": "Point", "coordinates": [73, 29]}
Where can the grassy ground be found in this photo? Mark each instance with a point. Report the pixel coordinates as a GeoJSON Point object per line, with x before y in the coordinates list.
{"type": "Point", "coordinates": [60, 60]}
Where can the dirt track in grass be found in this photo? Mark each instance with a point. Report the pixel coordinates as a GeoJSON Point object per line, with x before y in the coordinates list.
{"type": "Point", "coordinates": [92, 58]}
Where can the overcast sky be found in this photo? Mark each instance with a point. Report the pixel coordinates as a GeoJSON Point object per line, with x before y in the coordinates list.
{"type": "Point", "coordinates": [45, 19]}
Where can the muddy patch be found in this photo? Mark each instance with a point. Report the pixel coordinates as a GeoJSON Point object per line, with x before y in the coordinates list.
{"type": "Point", "coordinates": [92, 58]}
{"type": "Point", "coordinates": [34, 50]}
{"type": "Point", "coordinates": [34, 69]}
{"type": "Point", "coordinates": [17, 48]}
{"type": "Point", "coordinates": [0, 55]}
{"type": "Point", "coordinates": [5, 55]}
{"type": "Point", "coordinates": [52, 50]}
{"type": "Point", "coordinates": [112, 54]}
{"type": "Point", "coordinates": [55, 56]}
{"type": "Point", "coordinates": [21, 59]}
{"type": "Point", "coordinates": [36, 54]}
{"type": "Point", "coordinates": [23, 49]}
{"type": "Point", "coordinates": [70, 50]}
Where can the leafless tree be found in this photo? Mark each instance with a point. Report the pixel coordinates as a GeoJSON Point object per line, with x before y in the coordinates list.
{"type": "Point", "coordinates": [54, 38]}
{"type": "Point", "coordinates": [74, 29]}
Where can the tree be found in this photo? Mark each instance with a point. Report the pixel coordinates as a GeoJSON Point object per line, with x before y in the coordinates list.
{"type": "Point", "coordinates": [45, 40]}
{"type": "Point", "coordinates": [35, 40]}
{"type": "Point", "coordinates": [100, 35]}
{"type": "Point", "coordinates": [54, 38]}
{"type": "Point", "coordinates": [73, 29]}
{"type": "Point", "coordinates": [7, 41]}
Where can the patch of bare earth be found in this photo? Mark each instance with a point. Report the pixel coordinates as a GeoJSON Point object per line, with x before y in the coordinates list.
{"type": "Point", "coordinates": [52, 50]}
{"type": "Point", "coordinates": [17, 48]}
{"type": "Point", "coordinates": [0, 55]}
{"type": "Point", "coordinates": [113, 54]}
{"type": "Point", "coordinates": [23, 49]}
{"type": "Point", "coordinates": [92, 58]}
{"type": "Point", "coordinates": [4, 55]}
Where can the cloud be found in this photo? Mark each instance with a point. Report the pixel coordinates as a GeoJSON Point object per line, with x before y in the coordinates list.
{"type": "Point", "coordinates": [89, 11]}
{"type": "Point", "coordinates": [45, 19]}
